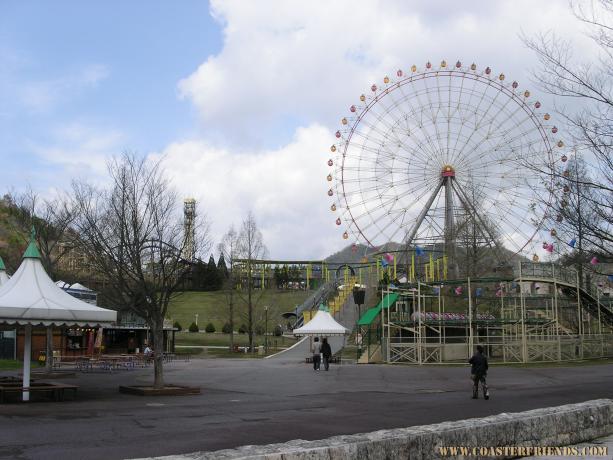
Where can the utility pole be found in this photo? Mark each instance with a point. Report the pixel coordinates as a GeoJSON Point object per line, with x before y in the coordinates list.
{"type": "Point", "coordinates": [266, 329]}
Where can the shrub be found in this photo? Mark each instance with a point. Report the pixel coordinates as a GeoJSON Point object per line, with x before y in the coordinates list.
{"type": "Point", "coordinates": [210, 328]}
{"type": "Point", "coordinates": [226, 328]}
{"type": "Point", "coordinates": [259, 330]}
{"type": "Point", "coordinates": [242, 329]}
{"type": "Point", "coordinates": [177, 325]}
{"type": "Point", "coordinates": [193, 327]}
{"type": "Point", "coordinates": [278, 332]}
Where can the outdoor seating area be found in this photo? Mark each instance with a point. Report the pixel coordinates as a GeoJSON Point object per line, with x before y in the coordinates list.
{"type": "Point", "coordinates": [109, 363]}
{"type": "Point", "coordinates": [14, 387]}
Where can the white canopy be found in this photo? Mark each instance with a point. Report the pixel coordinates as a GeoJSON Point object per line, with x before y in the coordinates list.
{"type": "Point", "coordinates": [322, 324]}
{"type": "Point", "coordinates": [31, 297]}
{"type": "Point", "coordinates": [3, 276]}
{"type": "Point", "coordinates": [73, 287]}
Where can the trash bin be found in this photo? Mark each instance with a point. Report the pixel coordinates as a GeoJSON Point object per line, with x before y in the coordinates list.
{"type": "Point", "coordinates": [261, 350]}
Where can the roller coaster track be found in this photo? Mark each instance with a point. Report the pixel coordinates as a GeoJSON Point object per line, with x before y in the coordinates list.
{"type": "Point", "coordinates": [568, 282]}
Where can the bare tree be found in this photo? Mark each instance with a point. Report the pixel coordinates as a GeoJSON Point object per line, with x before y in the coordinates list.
{"type": "Point", "coordinates": [51, 219]}
{"type": "Point", "coordinates": [250, 248]}
{"type": "Point", "coordinates": [588, 87]}
{"type": "Point", "coordinates": [132, 236]}
{"type": "Point", "coordinates": [228, 248]}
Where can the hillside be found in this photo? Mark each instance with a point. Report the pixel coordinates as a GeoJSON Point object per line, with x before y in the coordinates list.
{"type": "Point", "coordinates": [488, 261]}
{"type": "Point", "coordinates": [13, 237]}
{"type": "Point", "coordinates": [213, 307]}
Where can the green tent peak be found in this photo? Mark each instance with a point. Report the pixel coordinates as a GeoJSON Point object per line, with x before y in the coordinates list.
{"type": "Point", "coordinates": [32, 250]}
{"type": "Point", "coordinates": [2, 267]}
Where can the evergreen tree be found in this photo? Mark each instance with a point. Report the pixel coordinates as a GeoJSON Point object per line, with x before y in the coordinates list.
{"type": "Point", "coordinates": [212, 278]}
{"type": "Point", "coordinates": [199, 276]}
{"type": "Point", "coordinates": [222, 267]}
{"type": "Point", "coordinates": [277, 276]}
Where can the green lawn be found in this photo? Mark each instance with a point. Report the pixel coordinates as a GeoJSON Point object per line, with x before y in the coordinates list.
{"type": "Point", "coordinates": [219, 339]}
{"type": "Point", "coordinates": [212, 307]}
{"type": "Point", "coordinates": [11, 364]}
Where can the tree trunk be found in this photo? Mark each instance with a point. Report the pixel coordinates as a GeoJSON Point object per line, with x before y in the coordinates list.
{"type": "Point", "coordinates": [158, 357]}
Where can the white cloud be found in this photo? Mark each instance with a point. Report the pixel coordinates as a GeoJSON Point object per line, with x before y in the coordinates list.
{"type": "Point", "coordinates": [44, 95]}
{"type": "Point", "coordinates": [285, 188]}
{"type": "Point", "coordinates": [287, 64]}
{"type": "Point", "coordinates": [80, 150]}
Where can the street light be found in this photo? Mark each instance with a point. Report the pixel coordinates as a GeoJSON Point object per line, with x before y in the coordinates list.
{"type": "Point", "coordinates": [359, 297]}
{"type": "Point", "coordinates": [266, 329]}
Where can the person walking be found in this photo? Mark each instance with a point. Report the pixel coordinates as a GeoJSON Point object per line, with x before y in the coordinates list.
{"type": "Point", "coordinates": [326, 352]}
{"type": "Point", "coordinates": [316, 354]}
{"type": "Point", "coordinates": [478, 372]}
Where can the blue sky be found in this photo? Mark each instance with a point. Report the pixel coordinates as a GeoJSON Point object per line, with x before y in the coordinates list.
{"type": "Point", "coordinates": [109, 66]}
{"type": "Point", "coordinates": [241, 99]}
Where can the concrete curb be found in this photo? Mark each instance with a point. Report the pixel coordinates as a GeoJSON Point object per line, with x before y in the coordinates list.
{"type": "Point", "coordinates": [554, 426]}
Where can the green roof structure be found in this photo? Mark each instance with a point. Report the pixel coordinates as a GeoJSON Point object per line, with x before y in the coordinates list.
{"type": "Point", "coordinates": [32, 250]}
{"type": "Point", "coordinates": [2, 267]}
{"type": "Point", "coordinates": [369, 315]}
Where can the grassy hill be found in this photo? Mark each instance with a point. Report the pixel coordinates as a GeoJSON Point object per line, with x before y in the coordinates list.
{"type": "Point", "coordinates": [213, 307]}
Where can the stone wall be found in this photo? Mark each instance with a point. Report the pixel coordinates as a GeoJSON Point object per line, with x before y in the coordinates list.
{"type": "Point", "coordinates": [554, 426]}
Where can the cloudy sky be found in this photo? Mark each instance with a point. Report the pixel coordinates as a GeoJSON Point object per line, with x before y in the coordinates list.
{"type": "Point", "coordinates": [241, 99]}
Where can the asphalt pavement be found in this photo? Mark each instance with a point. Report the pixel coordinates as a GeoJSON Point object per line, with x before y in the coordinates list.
{"type": "Point", "coordinates": [256, 401]}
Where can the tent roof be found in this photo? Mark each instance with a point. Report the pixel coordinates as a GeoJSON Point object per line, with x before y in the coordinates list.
{"type": "Point", "coordinates": [72, 287]}
{"type": "Point", "coordinates": [3, 276]}
{"type": "Point", "coordinates": [31, 297]}
{"type": "Point", "coordinates": [370, 314]}
{"type": "Point", "coordinates": [322, 324]}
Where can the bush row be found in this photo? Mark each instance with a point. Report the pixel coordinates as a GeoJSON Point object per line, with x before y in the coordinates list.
{"type": "Point", "coordinates": [226, 329]}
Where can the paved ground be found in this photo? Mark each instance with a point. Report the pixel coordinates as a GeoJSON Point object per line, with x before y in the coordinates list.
{"type": "Point", "coordinates": [247, 401]}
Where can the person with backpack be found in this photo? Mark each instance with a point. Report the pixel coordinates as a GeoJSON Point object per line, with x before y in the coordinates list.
{"type": "Point", "coordinates": [326, 352]}
{"type": "Point", "coordinates": [478, 372]}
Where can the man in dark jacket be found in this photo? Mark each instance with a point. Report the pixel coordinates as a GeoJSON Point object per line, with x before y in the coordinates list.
{"type": "Point", "coordinates": [326, 351]}
{"type": "Point", "coordinates": [478, 372]}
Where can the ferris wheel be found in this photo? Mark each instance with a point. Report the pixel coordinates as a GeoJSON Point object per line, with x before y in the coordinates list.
{"type": "Point", "coordinates": [440, 156]}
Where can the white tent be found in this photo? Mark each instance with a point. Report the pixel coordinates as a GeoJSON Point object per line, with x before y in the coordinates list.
{"type": "Point", "coordinates": [31, 298]}
{"type": "Point", "coordinates": [322, 324]}
{"type": "Point", "coordinates": [3, 276]}
{"type": "Point", "coordinates": [72, 287]}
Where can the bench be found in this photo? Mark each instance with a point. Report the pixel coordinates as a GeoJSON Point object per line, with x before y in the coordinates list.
{"type": "Point", "coordinates": [56, 390]}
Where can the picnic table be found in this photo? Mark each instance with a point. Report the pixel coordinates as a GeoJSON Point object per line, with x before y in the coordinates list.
{"type": "Point", "coordinates": [56, 390]}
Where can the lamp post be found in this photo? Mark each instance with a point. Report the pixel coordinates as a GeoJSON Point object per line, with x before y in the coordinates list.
{"type": "Point", "coordinates": [359, 297]}
{"type": "Point", "coordinates": [266, 329]}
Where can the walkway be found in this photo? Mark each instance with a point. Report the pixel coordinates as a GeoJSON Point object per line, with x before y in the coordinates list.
{"type": "Point", "coordinates": [255, 401]}
{"type": "Point", "coordinates": [298, 353]}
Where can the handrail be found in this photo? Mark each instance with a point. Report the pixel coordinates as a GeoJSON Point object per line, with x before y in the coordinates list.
{"type": "Point", "coordinates": [319, 296]}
